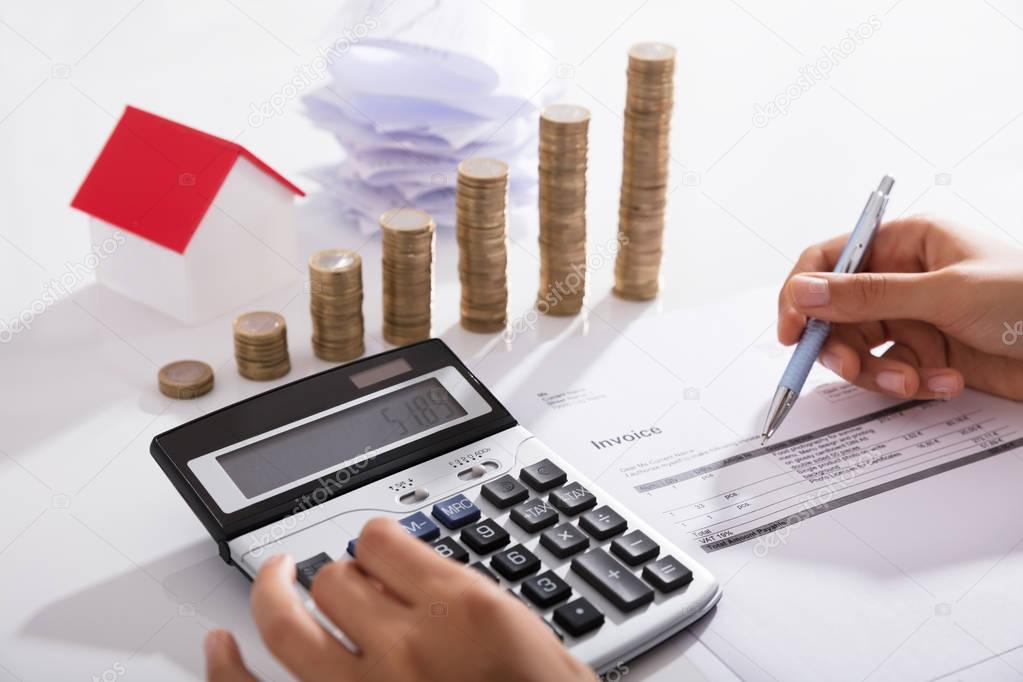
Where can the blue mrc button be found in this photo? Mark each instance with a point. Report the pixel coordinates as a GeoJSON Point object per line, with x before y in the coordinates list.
{"type": "Point", "coordinates": [420, 525]}
{"type": "Point", "coordinates": [456, 511]}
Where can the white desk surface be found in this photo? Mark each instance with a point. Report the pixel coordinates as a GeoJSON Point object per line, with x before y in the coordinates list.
{"type": "Point", "coordinates": [104, 572]}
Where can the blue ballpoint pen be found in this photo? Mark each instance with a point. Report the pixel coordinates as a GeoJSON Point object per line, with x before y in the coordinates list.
{"type": "Point", "coordinates": [852, 258]}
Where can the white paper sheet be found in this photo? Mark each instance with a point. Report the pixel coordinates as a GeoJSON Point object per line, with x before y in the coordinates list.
{"type": "Point", "coordinates": [887, 545]}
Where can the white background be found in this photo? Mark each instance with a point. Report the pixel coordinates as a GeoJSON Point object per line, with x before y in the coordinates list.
{"type": "Point", "coordinates": [102, 567]}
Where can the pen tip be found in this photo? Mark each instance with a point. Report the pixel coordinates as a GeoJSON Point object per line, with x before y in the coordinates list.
{"type": "Point", "coordinates": [763, 439]}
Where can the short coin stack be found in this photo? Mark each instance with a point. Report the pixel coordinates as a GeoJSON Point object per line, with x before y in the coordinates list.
{"type": "Point", "coordinates": [407, 274]}
{"type": "Point", "coordinates": [645, 170]}
{"type": "Point", "coordinates": [261, 346]}
{"type": "Point", "coordinates": [185, 379]}
{"type": "Point", "coordinates": [480, 219]}
{"type": "Point", "coordinates": [563, 143]}
{"type": "Point", "coordinates": [335, 303]}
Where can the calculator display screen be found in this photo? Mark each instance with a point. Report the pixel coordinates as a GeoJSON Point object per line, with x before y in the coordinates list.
{"type": "Point", "coordinates": [339, 438]}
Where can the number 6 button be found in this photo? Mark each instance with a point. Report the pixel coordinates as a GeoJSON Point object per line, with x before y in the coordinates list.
{"type": "Point", "coordinates": [515, 562]}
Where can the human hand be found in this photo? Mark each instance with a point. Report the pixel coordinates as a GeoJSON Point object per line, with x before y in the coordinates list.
{"type": "Point", "coordinates": [414, 615]}
{"type": "Point", "coordinates": [949, 300]}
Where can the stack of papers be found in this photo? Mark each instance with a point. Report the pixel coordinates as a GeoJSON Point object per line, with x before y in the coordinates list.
{"type": "Point", "coordinates": [416, 97]}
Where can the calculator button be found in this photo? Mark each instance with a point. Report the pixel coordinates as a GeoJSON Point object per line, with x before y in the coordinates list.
{"type": "Point", "coordinates": [564, 540]}
{"type": "Point", "coordinates": [351, 547]}
{"type": "Point", "coordinates": [635, 548]}
{"type": "Point", "coordinates": [485, 537]}
{"type": "Point", "coordinates": [307, 569]}
{"type": "Point", "coordinates": [543, 475]}
{"type": "Point", "coordinates": [611, 579]}
{"type": "Point", "coordinates": [546, 589]}
{"type": "Point", "coordinates": [534, 515]}
{"type": "Point", "coordinates": [482, 568]}
{"type": "Point", "coordinates": [449, 549]}
{"type": "Point", "coordinates": [420, 525]}
{"type": "Point", "coordinates": [504, 492]}
{"type": "Point", "coordinates": [515, 562]}
{"type": "Point", "coordinates": [578, 617]}
{"type": "Point", "coordinates": [572, 499]}
{"type": "Point", "coordinates": [602, 522]}
{"type": "Point", "coordinates": [456, 512]}
{"type": "Point", "coordinates": [667, 574]}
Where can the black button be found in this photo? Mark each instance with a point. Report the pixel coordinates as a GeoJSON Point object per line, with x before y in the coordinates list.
{"type": "Point", "coordinates": [307, 569]}
{"type": "Point", "coordinates": [602, 522]}
{"type": "Point", "coordinates": [564, 540]}
{"type": "Point", "coordinates": [546, 589]}
{"type": "Point", "coordinates": [482, 568]}
{"type": "Point", "coordinates": [504, 492]}
{"type": "Point", "coordinates": [449, 549]}
{"type": "Point", "coordinates": [534, 515]}
{"type": "Point", "coordinates": [635, 548]}
{"type": "Point", "coordinates": [667, 574]}
{"type": "Point", "coordinates": [543, 475]}
{"type": "Point", "coordinates": [611, 579]}
{"type": "Point", "coordinates": [485, 536]}
{"type": "Point", "coordinates": [578, 617]}
{"type": "Point", "coordinates": [515, 562]}
{"type": "Point", "coordinates": [572, 499]}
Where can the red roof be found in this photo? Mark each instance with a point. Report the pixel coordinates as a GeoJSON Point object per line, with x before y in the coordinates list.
{"type": "Point", "coordinates": [157, 178]}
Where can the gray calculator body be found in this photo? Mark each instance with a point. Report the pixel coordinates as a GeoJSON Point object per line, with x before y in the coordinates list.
{"type": "Point", "coordinates": [413, 435]}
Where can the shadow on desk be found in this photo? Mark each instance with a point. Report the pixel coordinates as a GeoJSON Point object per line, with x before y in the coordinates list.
{"type": "Point", "coordinates": [153, 619]}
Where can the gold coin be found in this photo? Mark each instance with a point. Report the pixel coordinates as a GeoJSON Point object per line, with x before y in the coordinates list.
{"type": "Point", "coordinates": [185, 379]}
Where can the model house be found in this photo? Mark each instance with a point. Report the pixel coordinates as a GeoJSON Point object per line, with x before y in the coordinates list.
{"type": "Point", "coordinates": [201, 225]}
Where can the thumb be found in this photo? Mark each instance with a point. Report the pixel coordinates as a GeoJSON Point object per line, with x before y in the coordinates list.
{"type": "Point", "coordinates": [223, 659]}
{"type": "Point", "coordinates": [867, 297]}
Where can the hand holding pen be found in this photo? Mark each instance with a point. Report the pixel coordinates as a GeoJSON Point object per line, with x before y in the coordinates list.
{"type": "Point", "coordinates": [948, 300]}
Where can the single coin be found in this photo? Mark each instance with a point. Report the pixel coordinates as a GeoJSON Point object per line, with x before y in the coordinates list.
{"type": "Point", "coordinates": [185, 379]}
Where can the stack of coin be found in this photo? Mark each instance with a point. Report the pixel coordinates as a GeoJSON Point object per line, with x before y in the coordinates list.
{"type": "Point", "coordinates": [480, 212]}
{"type": "Point", "coordinates": [185, 379]}
{"type": "Point", "coordinates": [563, 133]}
{"type": "Point", "coordinates": [645, 170]}
{"type": "Point", "coordinates": [408, 274]}
{"type": "Point", "coordinates": [261, 346]}
{"type": "Point", "coordinates": [335, 302]}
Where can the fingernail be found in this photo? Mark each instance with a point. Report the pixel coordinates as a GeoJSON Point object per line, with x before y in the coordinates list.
{"type": "Point", "coordinates": [211, 643]}
{"type": "Point", "coordinates": [891, 381]}
{"type": "Point", "coordinates": [943, 383]}
{"type": "Point", "coordinates": [810, 292]}
{"type": "Point", "coordinates": [832, 362]}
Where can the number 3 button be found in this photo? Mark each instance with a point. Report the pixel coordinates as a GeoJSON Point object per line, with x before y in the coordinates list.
{"type": "Point", "coordinates": [546, 589]}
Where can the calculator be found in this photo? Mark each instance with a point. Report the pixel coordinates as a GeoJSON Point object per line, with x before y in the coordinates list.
{"type": "Point", "coordinates": [414, 435]}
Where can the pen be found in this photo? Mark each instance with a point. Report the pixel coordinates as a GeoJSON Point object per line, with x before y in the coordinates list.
{"type": "Point", "coordinates": [852, 258]}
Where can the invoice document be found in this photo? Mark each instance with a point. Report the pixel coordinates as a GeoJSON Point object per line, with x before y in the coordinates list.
{"type": "Point", "coordinates": [871, 538]}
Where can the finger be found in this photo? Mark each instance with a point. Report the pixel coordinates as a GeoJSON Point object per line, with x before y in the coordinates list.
{"type": "Point", "coordinates": [817, 258]}
{"type": "Point", "coordinates": [223, 659]}
{"type": "Point", "coordinates": [885, 375]}
{"type": "Point", "coordinates": [869, 296]}
{"type": "Point", "coordinates": [926, 342]}
{"type": "Point", "coordinates": [347, 597]}
{"type": "Point", "coordinates": [289, 630]}
{"type": "Point", "coordinates": [940, 383]}
{"type": "Point", "coordinates": [841, 358]}
{"type": "Point", "coordinates": [404, 565]}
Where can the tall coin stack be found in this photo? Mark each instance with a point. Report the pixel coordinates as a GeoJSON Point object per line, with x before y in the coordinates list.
{"type": "Point", "coordinates": [335, 303]}
{"type": "Point", "coordinates": [645, 170]}
{"type": "Point", "coordinates": [261, 346]}
{"type": "Point", "coordinates": [563, 134]}
{"type": "Point", "coordinates": [407, 273]}
{"type": "Point", "coordinates": [480, 214]}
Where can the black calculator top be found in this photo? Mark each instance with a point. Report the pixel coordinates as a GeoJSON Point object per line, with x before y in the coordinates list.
{"type": "Point", "coordinates": [401, 407]}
